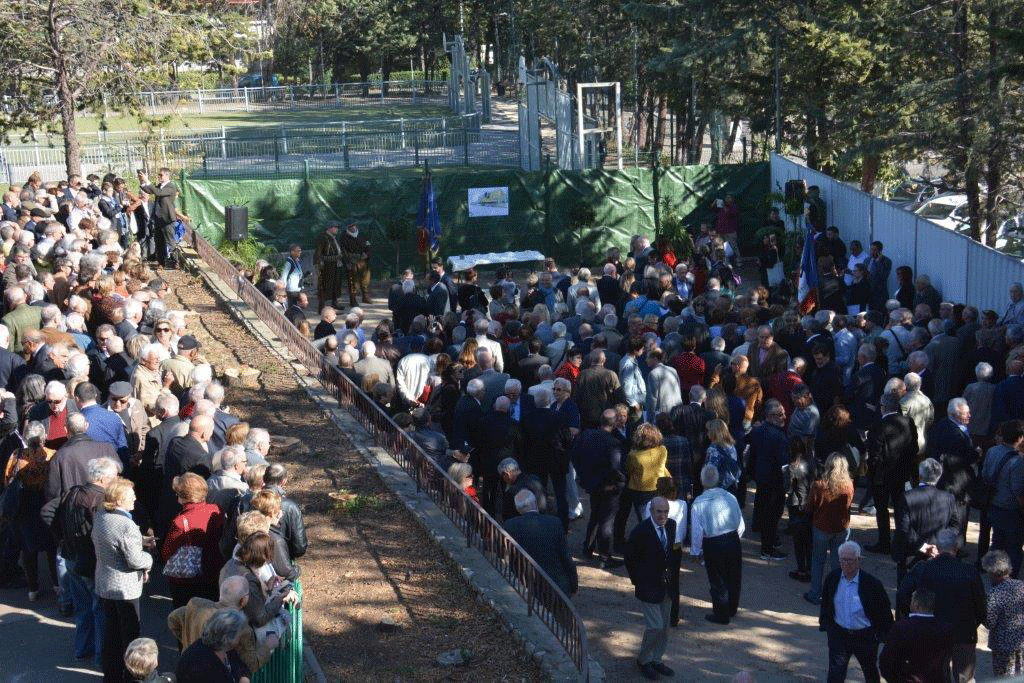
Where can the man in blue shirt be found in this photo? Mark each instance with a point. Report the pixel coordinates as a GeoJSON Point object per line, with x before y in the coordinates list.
{"type": "Point", "coordinates": [104, 425]}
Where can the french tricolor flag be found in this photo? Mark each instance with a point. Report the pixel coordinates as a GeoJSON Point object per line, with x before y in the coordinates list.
{"type": "Point", "coordinates": [807, 292]}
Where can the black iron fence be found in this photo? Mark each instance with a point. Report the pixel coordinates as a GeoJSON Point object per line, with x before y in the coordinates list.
{"type": "Point", "coordinates": [542, 596]}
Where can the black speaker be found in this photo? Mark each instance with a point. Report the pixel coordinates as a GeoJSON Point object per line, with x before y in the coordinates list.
{"type": "Point", "coordinates": [236, 222]}
{"type": "Point", "coordinates": [796, 190]}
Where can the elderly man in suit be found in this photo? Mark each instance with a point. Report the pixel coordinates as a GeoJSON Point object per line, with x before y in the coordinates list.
{"type": "Point", "coordinates": [950, 443]}
{"type": "Point", "coordinates": [768, 358]}
{"type": "Point", "coordinates": [943, 353]}
{"type": "Point", "coordinates": [596, 388]}
{"type": "Point", "coordinates": [960, 599]}
{"type": "Point", "coordinates": [543, 538]}
{"type": "Point", "coordinates": [925, 512]}
{"type": "Point", "coordinates": [891, 454]}
{"type": "Point", "coordinates": [856, 615]}
{"type": "Point", "coordinates": [648, 552]}
{"type": "Point", "coordinates": [918, 407]}
{"type": "Point", "coordinates": [438, 298]}
{"type": "Point", "coordinates": [500, 438]}
{"type": "Point", "coordinates": [526, 369]}
{"type": "Point", "coordinates": [866, 387]}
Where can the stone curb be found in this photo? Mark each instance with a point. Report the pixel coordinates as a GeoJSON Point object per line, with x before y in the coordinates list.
{"type": "Point", "coordinates": [491, 587]}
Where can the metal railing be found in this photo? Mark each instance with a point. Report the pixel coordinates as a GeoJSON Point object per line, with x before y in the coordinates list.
{"type": "Point", "coordinates": [310, 96]}
{"type": "Point", "coordinates": [543, 598]}
{"type": "Point", "coordinates": [286, 664]}
{"type": "Point", "coordinates": [452, 140]}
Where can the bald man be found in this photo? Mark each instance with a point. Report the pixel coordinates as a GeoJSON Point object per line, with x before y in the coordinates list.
{"type": "Point", "coordinates": [187, 622]}
{"type": "Point", "coordinates": [647, 559]}
{"type": "Point", "coordinates": [189, 453]}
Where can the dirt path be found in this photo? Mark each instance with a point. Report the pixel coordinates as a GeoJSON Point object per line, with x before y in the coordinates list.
{"type": "Point", "coordinates": [368, 558]}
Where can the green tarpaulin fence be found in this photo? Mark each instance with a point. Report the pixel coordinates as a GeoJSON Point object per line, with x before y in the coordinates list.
{"type": "Point", "coordinates": [292, 209]}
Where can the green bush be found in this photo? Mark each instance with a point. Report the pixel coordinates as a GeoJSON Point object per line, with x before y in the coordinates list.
{"type": "Point", "coordinates": [247, 252]}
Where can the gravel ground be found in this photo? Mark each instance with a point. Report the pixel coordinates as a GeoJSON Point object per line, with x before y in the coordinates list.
{"type": "Point", "coordinates": [369, 560]}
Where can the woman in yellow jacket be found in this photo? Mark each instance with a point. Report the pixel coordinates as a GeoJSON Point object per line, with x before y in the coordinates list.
{"type": "Point", "coordinates": [644, 466]}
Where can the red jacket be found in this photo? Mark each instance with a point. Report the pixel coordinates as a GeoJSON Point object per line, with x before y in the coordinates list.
{"type": "Point", "coordinates": [205, 522]}
{"type": "Point", "coordinates": [690, 368]}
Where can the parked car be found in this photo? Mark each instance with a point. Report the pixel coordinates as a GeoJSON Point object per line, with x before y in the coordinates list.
{"type": "Point", "coordinates": [256, 81]}
{"type": "Point", "coordinates": [948, 210]}
{"type": "Point", "coordinates": [911, 193]}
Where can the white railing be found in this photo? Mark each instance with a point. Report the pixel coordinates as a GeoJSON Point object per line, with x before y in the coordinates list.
{"type": "Point", "coordinates": [964, 271]}
{"type": "Point", "coordinates": [309, 96]}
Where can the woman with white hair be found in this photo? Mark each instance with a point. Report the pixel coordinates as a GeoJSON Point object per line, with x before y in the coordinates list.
{"type": "Point", "coordinates": [1004, 617]}
{"type": "Point", "coordinates": [214, 657]}
{"type": "Point", "coordinates": [141, 659]}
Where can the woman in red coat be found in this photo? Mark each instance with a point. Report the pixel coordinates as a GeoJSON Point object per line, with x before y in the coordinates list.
{"type": "Point", "coordinates": [193, 537]}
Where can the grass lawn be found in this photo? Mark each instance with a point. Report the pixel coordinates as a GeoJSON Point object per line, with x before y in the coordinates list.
{"type": "Point", "coordinates": [240, 122]}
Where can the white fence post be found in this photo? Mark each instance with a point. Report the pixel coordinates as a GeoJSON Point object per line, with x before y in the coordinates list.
{"type": "Point", "coordinates": [246, 90]}
{"type": "Point", "coordinates": [402, 128]}
{"type": "Point", "coordinates": [163, 148]}
{"type": "Point", "coordinates": [199, 93]}
{"type": "Point", "coordinates": [337, 96]}
{"type": "Point", "coordinates": [223, 143]}
{"type": "Point", "coordinates": [152, 103]}
{"type": "Point", "coordinates": [284, 141]}
{"type": "Point", "coordinates": [36, 148]}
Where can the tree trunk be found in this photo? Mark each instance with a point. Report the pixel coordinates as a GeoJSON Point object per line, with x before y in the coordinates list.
{"type": "Point", "coordinates": [996, 142]}
{"type": "Point", "coordinates": [730, 144]}
{"type": "Point", "coordinates": [869, 172]}
{"type": "Point", "coordinates": [65, 95]}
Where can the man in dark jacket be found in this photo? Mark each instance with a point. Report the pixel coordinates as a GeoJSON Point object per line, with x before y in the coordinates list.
{"type": "Point", "coordinates": [545, 445]}
{"type": "Point", "coordinates": [408, 306]}
{"type": "Point", "coordinates": [189, 453]}
{"type": "Point", "coordinates": [960, 598]}
{"type": "Point", "coordinates": [468, 412]}
{"type": "Point", "coordinates": [526, 368]}
{"type": "Point", "coordinates": [543, 539]}
{"type": "Point", "coordinates": [515, 480]}
{"type": "Point", "coordinates": [597, 457]}
{"type": "Point", "coordinates": [950, 443]}
{"type": "Point", "coordinates": [165, 194]}
{"type": "Point", "coordinates": [68, 467]}
{"type": "Point", "coordinates": [769, 452]}
{"type": "Point", "coordinates": [891, 453]}
{"type": "Point", "coordinates": [291, 527]}
{"type": "Point", "coordinates": [866, 387]}
{"type": "Point", "coordinates": [12, 366]}
{"type": "Point", "coordinates": [919, 647]}
{"type": "Point", "coordinates": [825, 379]}
{"type": "Point", "coordinates": [647, 555]}
{"type": "Point", "coordinates": [925, 512]}
{"type": "Point", "coordinates": [438, 298]}
{"type": "Point", "coordinates": [856, 615]}
{"type": "Point", "coordinates": [500, 438]}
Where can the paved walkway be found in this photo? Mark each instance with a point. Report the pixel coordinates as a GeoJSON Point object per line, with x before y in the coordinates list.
{"type": "Point", "coordinates": [37, 644]}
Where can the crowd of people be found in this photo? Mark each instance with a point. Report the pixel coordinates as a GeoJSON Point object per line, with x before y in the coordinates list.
{"type": "Point", "coordinates": [664, 387]}
{"type": "Point", "coordinates": [119, 455]}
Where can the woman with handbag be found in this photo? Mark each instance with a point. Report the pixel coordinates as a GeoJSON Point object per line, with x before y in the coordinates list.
{"type": "Point", "coordinates": [24, 480]}
{"type": "Point", "coordinates": [191, 549]}
{"type": "Point", "coordinates": [122, 566]}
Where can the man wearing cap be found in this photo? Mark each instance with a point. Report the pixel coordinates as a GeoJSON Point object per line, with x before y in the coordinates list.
{"type": "Point", "coordinates": [132, 415]}
{"type": "Point", "coordinates": [327, 257]}
{"type": "Point", "coordinates": [181, 364]}
{"type": "Point", "coordinates": [356, 256]}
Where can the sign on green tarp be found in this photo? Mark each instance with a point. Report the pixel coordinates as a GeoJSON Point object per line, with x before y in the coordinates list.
{"type": "Point", "coordinates": [294, 209]}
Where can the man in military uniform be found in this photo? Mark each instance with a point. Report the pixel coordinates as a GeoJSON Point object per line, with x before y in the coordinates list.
{"type": "Point", "coordinates": [355, 251]}
{"type": "Point", "coordinates": [328, 257]}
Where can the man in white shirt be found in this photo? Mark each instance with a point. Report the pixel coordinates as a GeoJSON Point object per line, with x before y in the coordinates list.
{"type": "Point", "coordinates": [716, 524]}
{"type": "Point", "coordinates": [481, 327]}
{"type": "Point", "coordinates": [412, 373]}
{"type": "Point", "coordinates": [857, 255]}
{"type": "Point", "coordinates": [856, 615]}
{"type": "Point", "coordinates": [1014, 314]}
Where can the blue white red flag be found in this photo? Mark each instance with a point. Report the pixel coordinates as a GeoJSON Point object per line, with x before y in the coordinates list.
{"type": "Point", "coordinates": [428, 220]}
{"type": "Point", "coordinates": [807, 291]}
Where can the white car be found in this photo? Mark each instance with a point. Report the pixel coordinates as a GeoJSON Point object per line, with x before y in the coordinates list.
{"type": "Point", "coordinates": [948, 210]}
